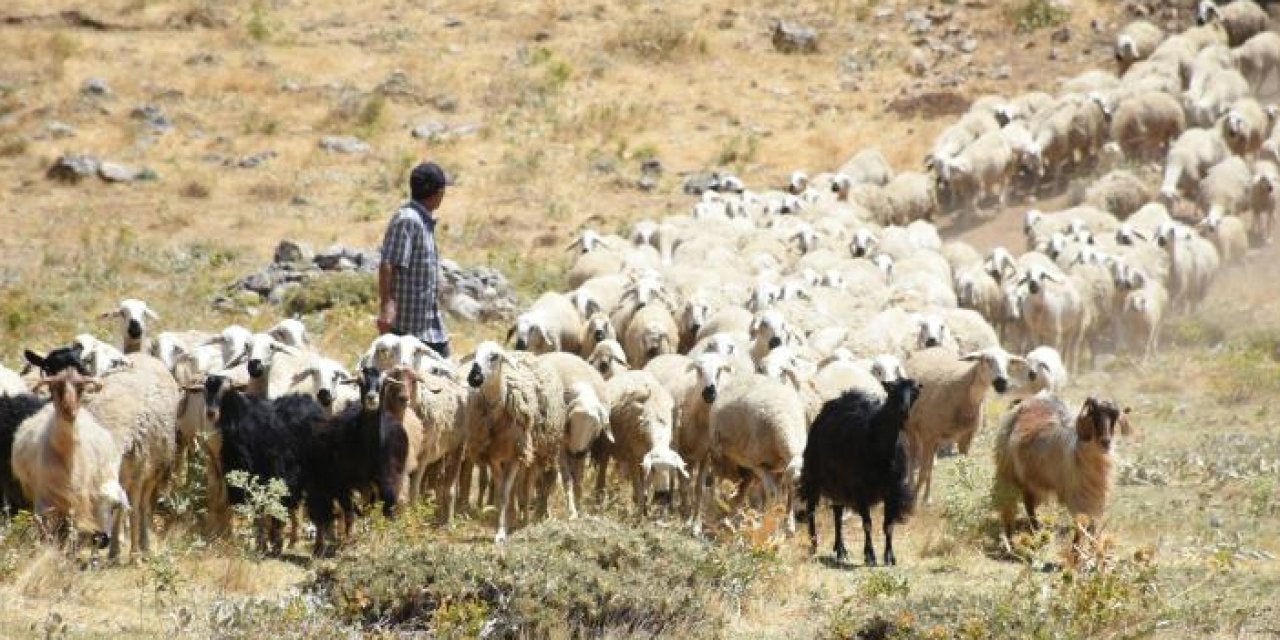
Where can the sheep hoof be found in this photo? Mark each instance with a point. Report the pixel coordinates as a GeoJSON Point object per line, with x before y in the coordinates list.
{"type": "Point", "coordinates": [501, 538]}
{"type": "Point", "coordinates": [889, 560]}
{"type": "Point", "coordinates": [870, 558]}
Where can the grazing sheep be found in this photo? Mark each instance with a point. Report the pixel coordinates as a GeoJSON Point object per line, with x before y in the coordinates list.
{"type": "Point", "coordinates": [1241, 19]}
{"type": "Point", "coordinates": [1263, 195]}
{"type": "Point", "coordinates": [857, 455]}
{"type": "Point", "coordinates": [1142, 313]}
{"type": "Point", "coordinates": [1193, 264]}
{"type": "Point", "coordinates": [138, 406]}
{"type": "Point", "coordinates": [267, 439]}
{"type": "Point", "coordinates": [951, 403]}
{"type": "Point", "coordinates": [587, 401]}
{"type": "Point", "coordinates": [1041, 451]}
{"type": "Point", "coordinates": [1228, 235]}
{"type": "Point", "coordinates": [757, 424]}
{"type": "Point", "coordinates": [551, 324]}
{"type": "Point", "coordinates": [1119, 192]}
{"type": "Point", "coordinates": [525, 400]}
{"type": "Point", "coordinates": [133, 315]}
{"type": "Point", "coordinates": [1136, 42]}
{"type": "Point", "coordinates": [68, 464]}
{"type": "Point", "coordinates": [642, 416]}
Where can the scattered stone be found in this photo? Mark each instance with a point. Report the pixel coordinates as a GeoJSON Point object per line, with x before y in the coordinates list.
{"type": "Point", "coordinates": [917, 22]}
{"type": "Point", "coordinates": [73, 168]}
{"type": "Point", "coordinates": [58, 130]}
{"type": "Point", "coordinates": [697, 183]}
{"type": "Point", "coordinates": [96, 87]}
{"type": "Point", "coordinates": [917, 62]}
{"type": "Point", "coordinates": [647, 183]}
{"type": "Point", "coordinates": [790, 37]}
{"type": "Point", "coordinates": [115, 172]}
{"type": "Point", "coordinates": [445, 102]}
{"type": "Point", "coordinates": [291, 86]}
{"type": "Point", "coordinates": [929, 103]}
{"type": "Point", "coordinates": [290, 252]}
{"type": "Point", "coordinates": [256, 160]}
{"type": "Point", "coordinates": [398, 86]}
{"type": "Point", "coordinates": [1053, 53]}
{"type": "Point", "coordinates": [1061, 36]}
{"type": "Point", "coordinates": [651, 167]}
{"type": "Point", "coordinates": [350, 145]}
{"type": "Point", "coordinates": [452, 22]}
{"type": "Point", "coordinates": [969, 45]}
{"type": "Point", "coordinates": [1002, 72]}
{"type": "Point", "coordinates": [203, 59]}
{"type": "Point", "coordinates": [153, 117]}
{"type": "Point", "coordinates": [883, 14]}
{"type": "Point", "coordinates": [542, 35]}
{"type": "Point", "coordinates": [299, 201]}
{"type": "Point", "coordinates": [430, 130]}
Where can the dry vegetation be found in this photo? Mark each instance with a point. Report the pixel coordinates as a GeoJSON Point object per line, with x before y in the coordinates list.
{"type": "Point", "coordinates": [569, 99]}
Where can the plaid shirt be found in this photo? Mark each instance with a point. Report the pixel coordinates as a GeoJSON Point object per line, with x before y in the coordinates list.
{"type": "Point", "coordinates": [410, 245]}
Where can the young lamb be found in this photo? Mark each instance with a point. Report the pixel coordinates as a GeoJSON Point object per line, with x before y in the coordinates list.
{"type": "Point", "coordinates": [524, 400]}
{"type": "Point", "coordinates": [133, 315]}
{"type": "Point", "coordinates": [951, 403]}
{"type": "Point", "coordinates": [857, 455]}
{"type": "Point", "coordinates": [69, 465]}
{"type": "Point", "coordinates": [267, 439]}
{"type": "Point", "coordinates": [1041, 451]}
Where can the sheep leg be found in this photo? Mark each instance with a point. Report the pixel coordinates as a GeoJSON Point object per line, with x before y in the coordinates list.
{"type": "Point", "coordinates": [837, 512]}
{"type": "Point", "coordinates": [546, 485]}
{"type": "Point", "coordinates": [889, 559]}
{"type": "Point", "coordinates": [447, 487]}
{"type": "Point", "coordinates": [699, 496]}
{"type": "Point", "coordinates": [868, 549]}
{"type": "Point", "coordinates": [570, 470]}
{"type": "Point", "coordinates": [1029, 502]}
{"type": "Point", "coordinates": [640, 494]}
{"type": "Point", "coordinates": [504, 477]}
{"type": "Point", "coordinates": [601, 460]}
{"type": "Point", "coordinates": [924, 477]}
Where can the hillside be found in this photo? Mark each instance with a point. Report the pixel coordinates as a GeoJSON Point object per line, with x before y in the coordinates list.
{"type": "Point", "coordinates": [554, 116]}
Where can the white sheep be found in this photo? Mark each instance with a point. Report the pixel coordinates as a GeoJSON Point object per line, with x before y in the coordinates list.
{"type": "Point", "coordinates": [328, 382]}
{"type": "Point", "coordinates": [1228, 235]}
{"type": "Point", "coordinates": [99, 358]}
{"type": "Point", "coordinates": [233, 340]}
{"type": "Point", "coordinates": [291, 332]}
{"type": "Point", "coordinates": [1240, 19]}
{"type": "Point", "coordinates": [951, 403]}
{"type": "Point", "coordinates": [609, 358]}
{"type": "Point", "coordinates": [67, 462]}
{"type": "Point", "coordinates": [1054, 312]}
{"type": "Point", "coordinates": [595, 330]}
{"type": "Point", "coordinates": [587, 402]}
{"type": "Point", "coordinates": [524, 400]}
{"type": "Point", "coordinates": [11, 383]}
{"type": "Point", "coordinates": [1145, 124]}
{"type": "Point", "coordinates": [981, 170]}
{"type": "Point", "coordinates": [1142, 313]}
{"type": "Point", "coordinates": [1043, 370]}
{"type": "Point", "coordinates": [1258, 58]}
{"type": "Point", "coordinates": [642, 415]}
{"type": "Point", "coordinates": [910, 196]}
{"type": "Point", "coordinates": [1190, 156]}
{"type": "Point", "coordinates": [1245, 126]}
{"type": "Point", "coordinates": [651, 332]}
{"type": "Point", "coordinates": [1136, 42]}
{"type": "Point", "coordinates": [550, 324]}
{"type": "Point", "coordinates": [1263, 196]}
{"type": "Point", "coordinates": [867, 166]}
{"type": "Point", "coordinates": [1193, 263]}
{"type": "Point", "coordinates": [133, 315]}
{"type": "Point", "coordinates": [138, 406]}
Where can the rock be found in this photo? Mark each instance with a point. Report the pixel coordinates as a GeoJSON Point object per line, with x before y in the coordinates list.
{"type": "Point", "coordinates": [652, 167]}
{"type": "Point", "coordinates": [58, 130]}
{"type": "Point", "coordinates": [115, 172]}
{"type": "Point", "coordinates": [465, 307]}
{"type": "Point", "coordinates": [1002, 72]}
{"type": "Point", "coordinates": [398, 86]}
{"type": "Point", "coordinates": [969, 45]}
{"type": "Point", "coordinates": [445, 102]}
{"type": "Point", "coordinates": [647, 183]}
{"type": "Point", "coordinates": [299, 201]}
{"type": "Point", "coordinates": [290, 252]}
{"type": "Point", "coordinates": [697, 183]}
{"type": "Point", "coordinates": [260, 283]}
{"type": "Point", "coordinates": [95, 87]}
{"type": "Point", "coordinates": [350, 145]}
{"type": "Point", "coordinates": [203, 59]}
{"type": "Point", "coordinates": [153, 117]}
{"type": "Point", "coordinates": [73, 168]}
{"type": "Point", "coordinates": [789, 37]}
{"type": "Point", "coordinates": [883, 14]}
{"type": "Point", "coordinates": [452, 22]}
{"type": "Point", "coordinates": [281, 292]}
{"type": "Point", "coordinates": [918, 62]}
{"type": "Point", "coordinates": [430, 130]}
{"type": "Point", "coordinates": [1061, 36]}
{"type": "Point", "coordinates": [256, 160]}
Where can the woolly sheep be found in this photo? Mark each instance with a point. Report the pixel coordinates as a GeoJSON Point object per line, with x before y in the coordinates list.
{"type": "Point", "coordinates": [1119, 192]}
{"type": "Point", "coordinates": [1044, 370]}
{"type": "Point", "coordinates": [642, 415]}
{"type": "Point", "coordinates": [867, 166]}
{"type": "Point", "coordinates": [587, 400]}
{"type": "Point", "coordinates": [1258, 58]}
{"type": "Point", "coordinates": [857, 455]}
{"type": "Point", "coordinates": [1193, 263]}
{"type": "Point", "coordinates": [137, 405]}
{"type": "Point", "coordinates": [233, 341]}
{"type": "Point", "coordinates": [909, 196]}
{"type": "Point", "coordinates": [982, 170]}
{"type": "Point", "coordinates": [1228, 235]}
{"type": "Point", "coordinates": [1136, 42]}
{"type": "Point", "coordinates": [1263, 194]}
{"type": "Point", "coordinates": [609, 358]}
{"type": "Point", "coordinates": [11, 383]}
{"type": "Point", "coordinates": [757, 424]}
{"type": "Point", "coordinates": [595, 330]}
{"type": "Point", "coordinates": [733, 320]}
{"type": "Point", "coordinates": [1211, 98]}
{"type": "Point", "coordinates": [442, 409]}
{"type": "Point", "coordinates": [1240, 19]}
{"type": "Point", "coordinates": [651, 332]}
{"type": "Point", "coordinates": [551, 324]}
{"type": "Point", "coordinates": [1054, 312]}
{"type": "Point", "coordinates": [1190, 156]}
{"type": "Point", "coordinates": [1142, 313]}
{"type": "Point", "coordinates": [526, 398]}
{"type": "Point", "coordinates": [1245, 125]}
{"type": "Point", "coordinates": [168, 346]}
{"type": "Point", "coordinates": [271, 365]}
{"type": "Point", "coordinates": [1042, 451]}
{"type": "Point", "coordinates": [328, 382]}
{"type": "Point", "coordinates": [951, 403]}
{"type": "Point", "coordinates": [68, 464]}
{"type": "Point", "coordinates": [291, 332]}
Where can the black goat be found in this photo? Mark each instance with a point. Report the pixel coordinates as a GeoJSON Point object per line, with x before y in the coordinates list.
{"type": "Point", "coordinates": [13, 411]}
{"type": "Point", "coordinates": [268, 439]}
{"type": "Point", "coordinates": [344, 458]}
{"type": "Point", "coordinates": [857, 455]}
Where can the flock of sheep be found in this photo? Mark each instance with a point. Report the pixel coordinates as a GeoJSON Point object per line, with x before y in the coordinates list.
{"type": "Point", "coordinates": [814, 342]}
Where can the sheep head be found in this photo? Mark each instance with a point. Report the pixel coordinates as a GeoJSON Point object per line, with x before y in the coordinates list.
{"type": "Point", "coordinates": [770, 327]}
{"type": "Point", "coordinates": [710, 368]}
{"type": "Point", "coordinates": [900, 396]}
{"type": "Point", "coordinates": [109, 503]}
{"type": "Point", "coordinates": [291, 332]}
{"type": "Point", "coordinates": [486, 366]}
{"type": "Point", "coordinates": [168, 348]}
{"type": "Point", "coordinates": [608, 355]}
{"type": "Point", "coordinates": [58, 360]}
{"type": "Point", "coordinates": [325, 376]}
{"type": "Point", "coordinates": [931, 330]}
{"type": "Point", "coordinates": [67, 388]}
{"type": "Point", "coordinates": [992, 366]}
{"type": "Point", "coordinates": [863, 241]}
{"type": "Point", "coordinates": [588, 419]}
{"type": "Point", "coordinates": [260, 353]}
{"type": "Point", "coordinates": [133, 315]}
{"type": "Point", "coordinates": [887, 368]}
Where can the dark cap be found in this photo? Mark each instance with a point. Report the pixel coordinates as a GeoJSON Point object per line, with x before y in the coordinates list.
{"type": "Point", "coordinates": [426, 179]}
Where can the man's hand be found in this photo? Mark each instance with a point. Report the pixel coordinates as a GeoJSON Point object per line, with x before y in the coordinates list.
{"type": "Point", "coordinates": [386, 317]}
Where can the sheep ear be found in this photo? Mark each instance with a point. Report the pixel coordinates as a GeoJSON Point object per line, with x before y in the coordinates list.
{"type": "Point", "coordinates": [280, 347]}
{"type": "Point", "coordinates": [109, 314]}
{"type": "Point", "coordinates": [510, 332]}
{"type": "Point", "coordinates": [972, 356]}
{"type": "Point", "coordinates": [302, 375]}
{"type": "Point", "coordinates": [150, 314]}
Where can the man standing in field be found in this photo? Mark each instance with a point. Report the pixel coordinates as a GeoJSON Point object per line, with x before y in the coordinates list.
{"type": "Point", "coordinates": [409, 276]}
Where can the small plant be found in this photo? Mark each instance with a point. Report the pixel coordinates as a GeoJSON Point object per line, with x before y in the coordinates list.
{"type": "Point", "coordinates": [738, 150]}
{"type": "Point", "coordinates": [261, 499]}
{"type": "Point", "coordinates": [344, 289]}
{"type": "Point", "coordinates": [659, 37]}
{"type": "Point", "coordinates": [884, 584]}
{"type": "Point", "coordinates": [259, 25]}
{"type": "Point", "coordinates": [1031, 15]}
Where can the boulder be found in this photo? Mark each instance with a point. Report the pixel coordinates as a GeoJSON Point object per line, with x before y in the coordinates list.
{"type": "Point", "coordinates": [790, 37]}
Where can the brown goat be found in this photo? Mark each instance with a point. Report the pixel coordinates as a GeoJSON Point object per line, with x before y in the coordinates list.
{"type": "Point", "coordinates": [1039, 453]}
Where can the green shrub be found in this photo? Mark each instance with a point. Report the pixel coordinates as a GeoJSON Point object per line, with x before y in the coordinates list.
{"type": "Point", "coordinates": [1030, 15]}
{"type": "Point", "coordinates": [332, 290]}
{"type": "Point", "coordinates": [556, 579]}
